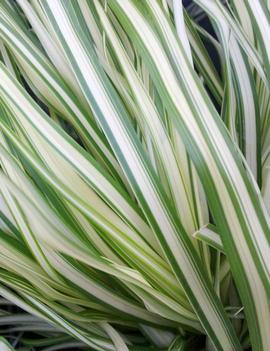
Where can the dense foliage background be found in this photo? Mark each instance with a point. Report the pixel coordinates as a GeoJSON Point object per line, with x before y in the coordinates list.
{"type": "Point", "coordinates": [134, 181]}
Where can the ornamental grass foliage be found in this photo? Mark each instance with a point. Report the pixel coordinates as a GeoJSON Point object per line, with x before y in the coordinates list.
{"type": "Point", "coordinates": [134, 181]}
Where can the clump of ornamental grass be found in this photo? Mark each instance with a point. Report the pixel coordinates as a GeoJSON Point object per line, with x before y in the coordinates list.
{"type": "Point", "coordinates": [134, 182]}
